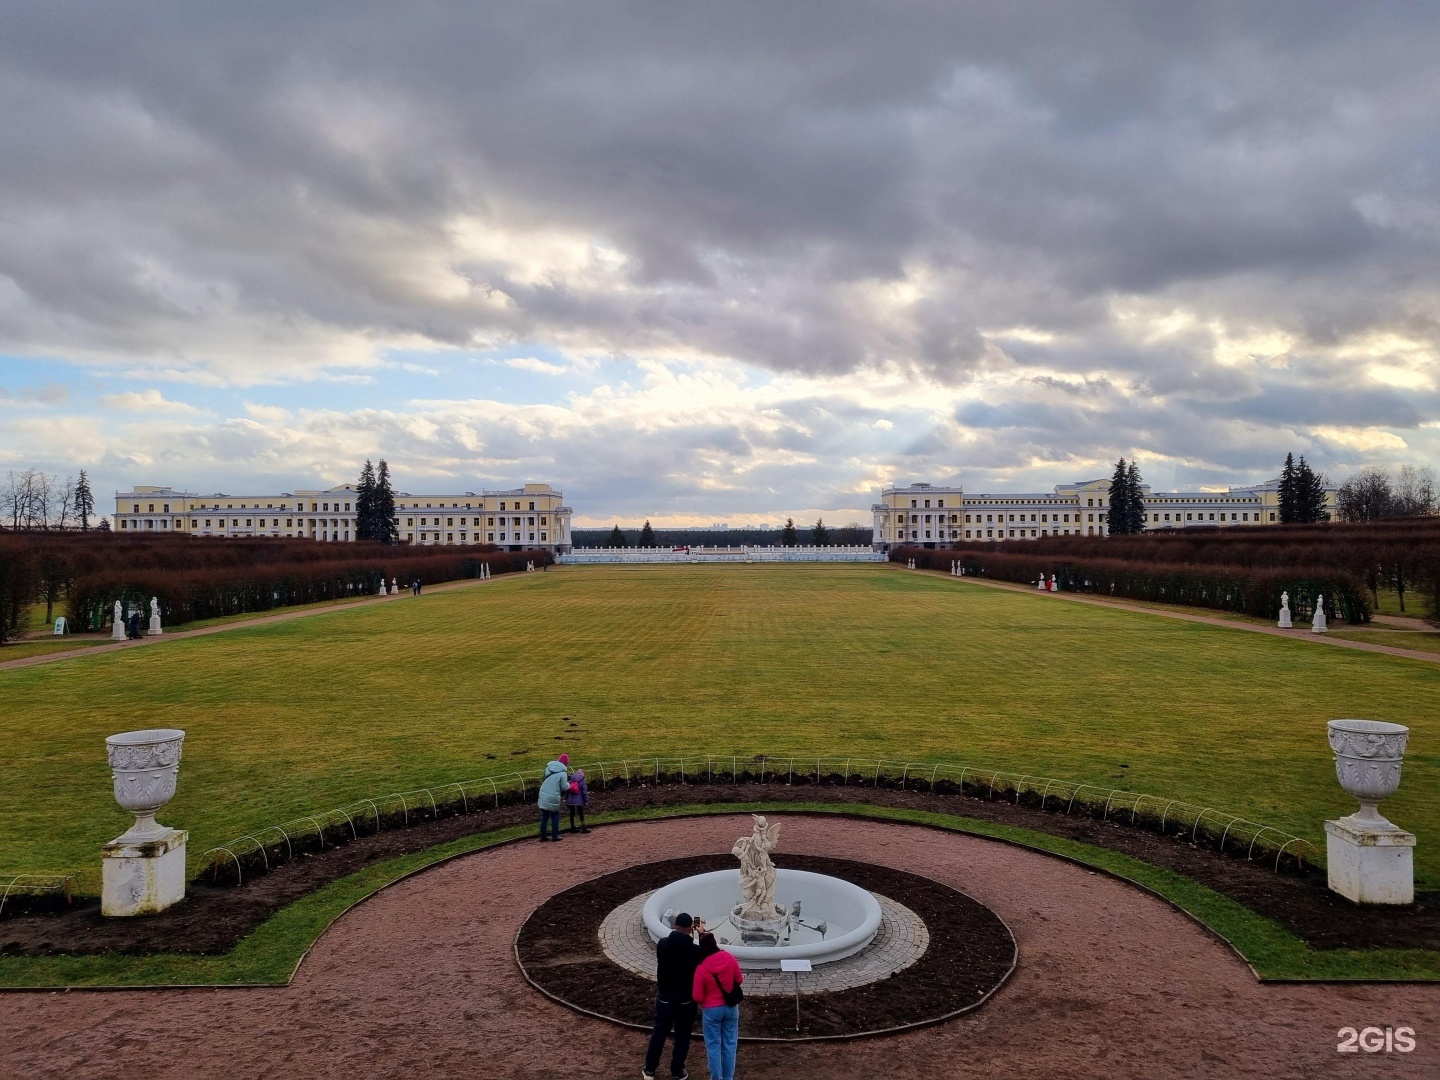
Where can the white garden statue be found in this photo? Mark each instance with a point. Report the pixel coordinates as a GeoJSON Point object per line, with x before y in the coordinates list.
{"type": "Point", "coordinates": [155, 630]}
{"type": "Point", "coordinates": [117, 629]}
{"type": "Point", "coordinates": [393, 587]}
{"type": "Point", "coordinates": [757, 872]}
{"type": "Point", "coordinates": [1053, 586]}
{"type": "Point", "coordinates": [1317, 624]}
{"type": "Point", "coordinates": [1284, 622]}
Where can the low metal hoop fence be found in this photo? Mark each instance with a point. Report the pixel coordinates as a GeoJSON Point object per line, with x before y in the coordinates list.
{"type": "Point", "coordinates": [260, 849]}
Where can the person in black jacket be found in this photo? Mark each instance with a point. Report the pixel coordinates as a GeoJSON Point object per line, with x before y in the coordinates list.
{"type": "Point", "coordinates": [676, 958]}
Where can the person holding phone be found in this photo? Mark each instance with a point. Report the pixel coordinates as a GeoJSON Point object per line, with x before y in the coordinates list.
{"type": "Point", "coordinates": [675, 959]}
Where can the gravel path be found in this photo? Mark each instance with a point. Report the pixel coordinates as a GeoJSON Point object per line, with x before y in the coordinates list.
{"type": "Point", "coordinates": [421, 982]}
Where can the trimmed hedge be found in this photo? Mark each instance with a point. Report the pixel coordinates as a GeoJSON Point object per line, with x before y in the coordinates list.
{"type": "Point", "coordinates": [187, 595]}
{"type": "Point", "coordinates": [1251, 590]}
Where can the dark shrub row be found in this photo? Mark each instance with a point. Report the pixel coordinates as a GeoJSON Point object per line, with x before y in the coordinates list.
{"type": "Point", "coordinates": [84, 573]}
{"type": "Point", "coordinates": [1251, 590]}
{"type": "Point", "coordinates": [187, 595]}
{"type": "Point", "coordinates": [1343, 560]}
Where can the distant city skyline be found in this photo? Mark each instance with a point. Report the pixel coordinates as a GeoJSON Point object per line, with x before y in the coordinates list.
{"type": "Point", "coordinates": [696, 264]}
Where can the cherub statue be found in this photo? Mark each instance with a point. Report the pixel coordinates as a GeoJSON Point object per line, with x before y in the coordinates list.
{"type": "Point", "coordinates": [757, 872]}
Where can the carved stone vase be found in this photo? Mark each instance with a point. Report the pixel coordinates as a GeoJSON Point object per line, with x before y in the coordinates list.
{"type": "Point", "coordinates": [1368, 755]}
{"type": "Point", "coordinates": [145, 766]}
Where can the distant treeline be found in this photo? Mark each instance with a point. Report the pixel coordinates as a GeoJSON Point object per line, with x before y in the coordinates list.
{"type": "Point", "coordinates": [1233, 569]}
{"type": "Point", "coordinates": [83, 574]}
{"type": "Point", "coordinates": [834, 536]}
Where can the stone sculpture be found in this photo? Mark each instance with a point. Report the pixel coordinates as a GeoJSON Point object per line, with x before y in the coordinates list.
{"type": "Point", "coordinates": [756, 910]}
{"type": "Point", "coordinates": [1053, 586]}
{"type": "Point", "coordinates": [155, 630]}
{"type": "Point", "coordinates": [143, 870]}
{"type": "Point", "coordinates": [393, 587]}
{"type": "Point", "coordinates": [117, 629]}
{"type": "Point", "coordinates": [1369, 859]}
{"type": "Point", "coordinates": [1284, 622]}
{"type": "Point", "coordinates": [1317, 624]}
{"type": "Point", "coordinates": [1041, 583]}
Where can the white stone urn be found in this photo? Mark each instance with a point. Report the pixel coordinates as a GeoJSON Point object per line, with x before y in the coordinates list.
{"type": "Point", "coordinates": [145, 766]}
{"type": "Point", "coordinates": [1368, 754]}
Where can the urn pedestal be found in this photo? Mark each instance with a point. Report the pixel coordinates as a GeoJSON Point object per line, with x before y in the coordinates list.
{"type": "Point", "coordinates": [1370, 866]}
{"type": "Point", "coordinates": [143, 870]}
{"type": "Point", "coordinates": [142, 877]}
{"type": "Point", "coordinates": [1369, 860]}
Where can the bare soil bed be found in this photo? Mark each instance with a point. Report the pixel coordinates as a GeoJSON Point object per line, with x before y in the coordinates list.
{"type": "Point", "coordinates": [216, 916]}
{"type": "Point", "coordinates": [971, 953]}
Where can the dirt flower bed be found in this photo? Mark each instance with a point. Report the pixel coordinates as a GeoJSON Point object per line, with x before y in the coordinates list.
{"type": "Point", "coordinates": [217, 914]}
{"type": "Point", "coordinates": [971, 953]}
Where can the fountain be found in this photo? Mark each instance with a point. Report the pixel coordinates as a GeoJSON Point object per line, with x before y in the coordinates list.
{"type": "Point", "coordinates": [764, 915]}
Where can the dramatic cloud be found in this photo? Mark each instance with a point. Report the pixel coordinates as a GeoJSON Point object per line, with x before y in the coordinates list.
{"type": "Point", "coordinates": [838, 243]}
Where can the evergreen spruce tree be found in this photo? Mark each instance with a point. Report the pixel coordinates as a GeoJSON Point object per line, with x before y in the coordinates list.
{"type": "Point", "coordinates": [84, 501]}
{"type": "Point", "coordinates": [1117, 517]}
{"type": "Point", "coordinates": [647, 536]}
{"type": "Point", "coordinates": [1287, 493]}
{"type": "Point", "coordinates": [617, 538]}
{"type": "Point", "coordinates": [788, 536]}
{"type": "Point", "coordinates": [1309, 494]}
{"type": "Point", "coordinates": [365, 504]}
{"type": "Point", "coordinates": [820, 535]}
{"type": "Point", "coordinates": [1135, 496]}
{"type": "Point", "coordinates": [387, 529]}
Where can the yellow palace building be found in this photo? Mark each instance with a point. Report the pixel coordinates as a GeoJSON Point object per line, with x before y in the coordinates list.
{"type": "Point", "coordinates": [532, 516]}
{"type": "Point", "coordinates": [931, 516]}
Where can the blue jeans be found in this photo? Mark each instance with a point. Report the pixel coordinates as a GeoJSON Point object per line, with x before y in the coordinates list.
{"type": "Point", "coordinates": [551, 818]}
{"type": "Point", "coordinates": [721, 1025]}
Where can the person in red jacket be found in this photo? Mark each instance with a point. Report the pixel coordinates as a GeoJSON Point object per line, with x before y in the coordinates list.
{"type": "Point", "coordinates": [718, 974]}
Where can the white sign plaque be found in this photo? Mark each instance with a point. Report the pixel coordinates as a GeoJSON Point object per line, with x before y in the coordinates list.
{"type": "Point", "coordinates": [795, 965]}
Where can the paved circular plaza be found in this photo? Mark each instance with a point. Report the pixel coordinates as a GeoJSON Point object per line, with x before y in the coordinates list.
{"type": "Point", "coordinates": [901, 940]}
{"type": "Point", "coordinates": [421, 981]}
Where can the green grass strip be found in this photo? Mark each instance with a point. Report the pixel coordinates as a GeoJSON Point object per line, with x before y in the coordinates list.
{"type": "Point", "coordinates": [270, 955]}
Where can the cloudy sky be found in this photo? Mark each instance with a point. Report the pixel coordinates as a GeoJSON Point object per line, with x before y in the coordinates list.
{"type": "Point", "coordinates": [717, 262]}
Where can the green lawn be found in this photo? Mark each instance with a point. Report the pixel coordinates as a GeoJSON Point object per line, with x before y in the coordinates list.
{"type": "Point", "coordinates": [862, 660]}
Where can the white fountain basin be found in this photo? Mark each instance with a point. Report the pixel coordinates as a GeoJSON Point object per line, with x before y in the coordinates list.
{"type": "Point", "coordinates": [852, 915]}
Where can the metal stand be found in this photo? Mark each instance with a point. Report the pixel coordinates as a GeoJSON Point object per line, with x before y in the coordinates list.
{"type": "Point", "coordinates": [797, 966]}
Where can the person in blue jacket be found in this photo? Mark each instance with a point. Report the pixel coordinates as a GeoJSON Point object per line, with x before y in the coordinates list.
{"type": "Point", "coordinates": [553, 790]}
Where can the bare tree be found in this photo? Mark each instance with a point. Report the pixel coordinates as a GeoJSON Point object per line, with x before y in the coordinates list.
{"type": "Point", "coordinates": [16, 496]}
{"type": "Point", "coordinates": [43, 492]}
{"type": "Point", "coordinates": [65, 503]}
{"type": "Point", "coordinates": [1366, 496]}
{"type": "Point", "coordinates": [1414, 494]}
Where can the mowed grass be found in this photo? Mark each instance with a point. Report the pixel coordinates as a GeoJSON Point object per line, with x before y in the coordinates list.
{"type": "Point", "coordinates": [836, 660]}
